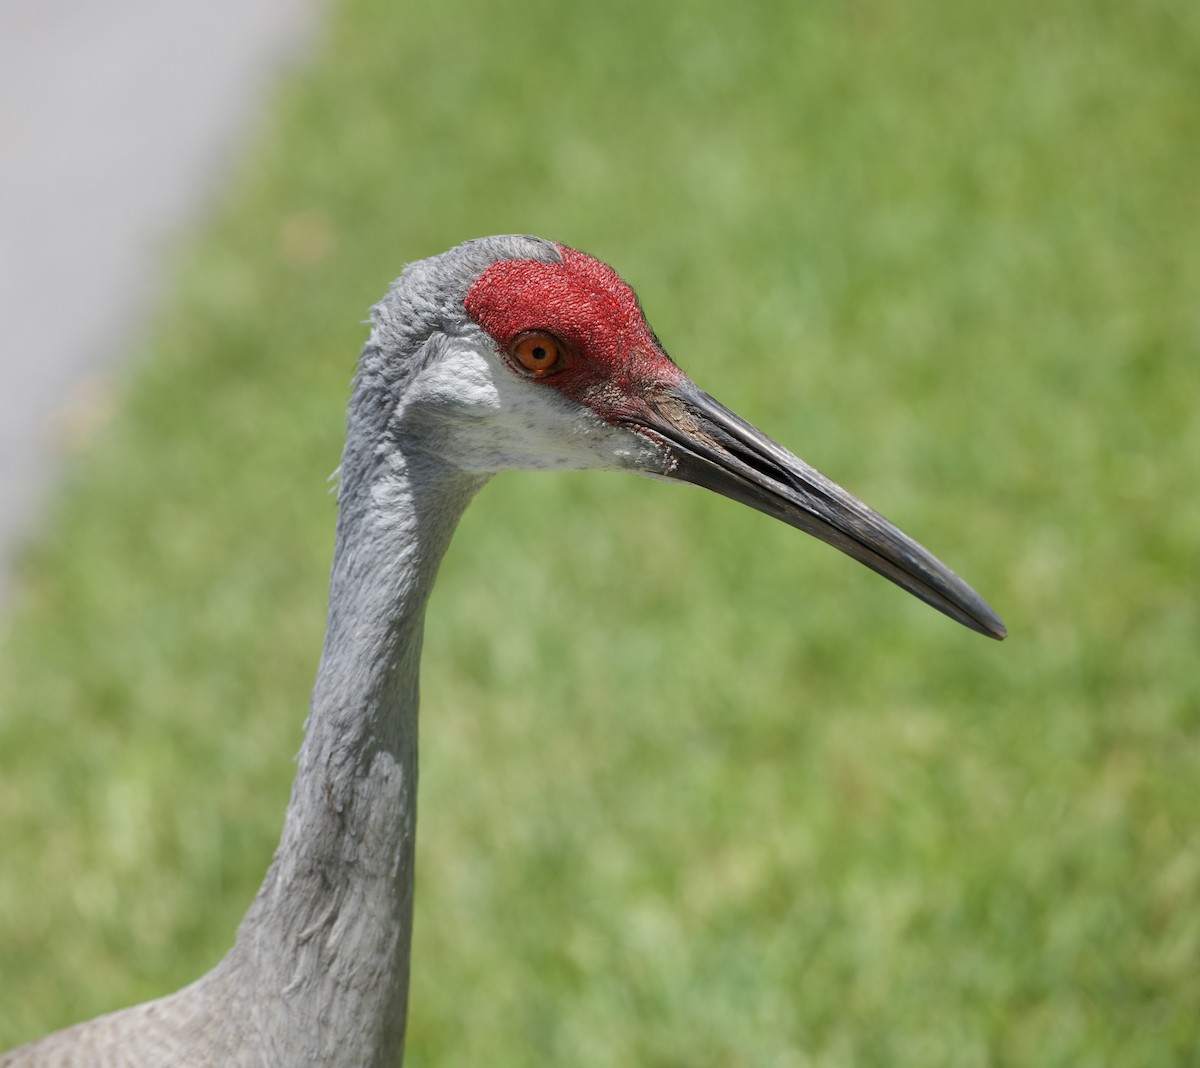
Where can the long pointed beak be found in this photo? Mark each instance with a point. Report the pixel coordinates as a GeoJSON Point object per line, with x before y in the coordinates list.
{"type": "Point", "coordinates": [712, 447]}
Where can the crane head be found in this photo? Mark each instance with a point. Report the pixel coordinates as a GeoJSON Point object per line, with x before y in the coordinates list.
{"type": "Point", "coordinates": [537, 356]}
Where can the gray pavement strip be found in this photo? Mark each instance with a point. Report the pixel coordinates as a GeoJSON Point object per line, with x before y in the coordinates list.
{"type": "Point", "coordinates": [117, 121]}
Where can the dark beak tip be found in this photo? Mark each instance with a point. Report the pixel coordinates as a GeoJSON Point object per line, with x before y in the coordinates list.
{"type": "Point", "coordinates": [982, 619]}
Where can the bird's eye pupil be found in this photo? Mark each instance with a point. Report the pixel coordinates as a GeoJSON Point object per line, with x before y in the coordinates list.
{"type": "Point", "coordinates": [537, 353]}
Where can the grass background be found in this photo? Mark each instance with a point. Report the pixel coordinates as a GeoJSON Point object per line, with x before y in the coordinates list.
{"type": "Point", "coordinates": [695, 790]}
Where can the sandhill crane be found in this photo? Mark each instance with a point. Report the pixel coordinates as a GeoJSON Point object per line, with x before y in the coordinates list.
{"type": "Point", "coordinates": [505, 352]}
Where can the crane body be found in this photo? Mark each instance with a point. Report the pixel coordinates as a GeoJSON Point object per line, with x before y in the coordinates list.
{"type": "Point", "coordinates": [506, 352]}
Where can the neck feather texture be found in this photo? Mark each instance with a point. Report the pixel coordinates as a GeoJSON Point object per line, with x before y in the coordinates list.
{"type": "Point", "coordinates": [319, 972]}
{"type": "Point", "coordinates": [329, 933]}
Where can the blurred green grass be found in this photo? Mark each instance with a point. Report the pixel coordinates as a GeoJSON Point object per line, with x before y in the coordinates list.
{"type": "Point", "coordinates": [695, 790]}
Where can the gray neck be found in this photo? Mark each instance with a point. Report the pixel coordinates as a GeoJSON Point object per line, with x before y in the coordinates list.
{"type": "Point", "coordinates": [324, 949]}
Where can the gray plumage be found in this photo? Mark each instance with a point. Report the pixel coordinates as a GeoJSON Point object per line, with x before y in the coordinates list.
{"type": "Point", "coordinates": [318, 974]}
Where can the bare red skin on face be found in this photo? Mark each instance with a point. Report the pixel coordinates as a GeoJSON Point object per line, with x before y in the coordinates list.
{"type": "Point", "coordinates": [613, 361]}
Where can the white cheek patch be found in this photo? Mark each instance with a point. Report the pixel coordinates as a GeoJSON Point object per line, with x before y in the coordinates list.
{"type": "Point", "coordinates": [462, 380]}
{"type": "Point", "coordinates": [487, 418]}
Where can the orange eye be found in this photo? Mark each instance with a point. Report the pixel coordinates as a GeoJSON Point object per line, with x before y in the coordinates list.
{"type": "Point", "coordinates": [538, 353]}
